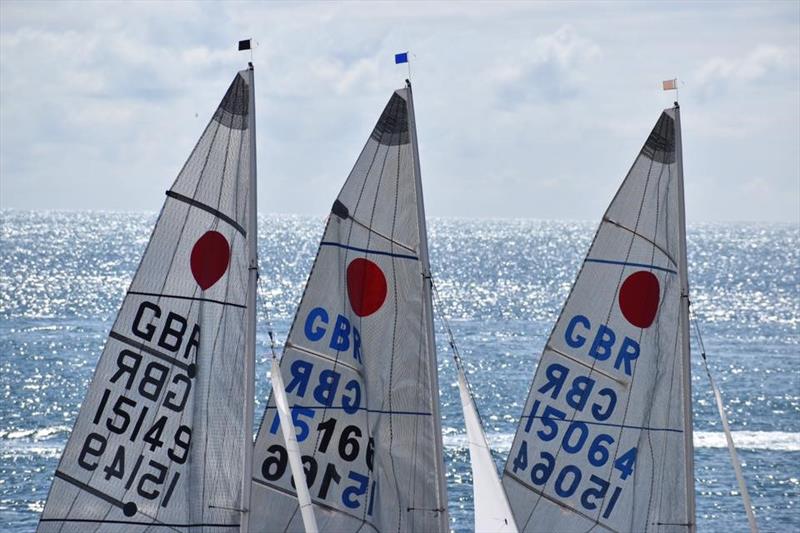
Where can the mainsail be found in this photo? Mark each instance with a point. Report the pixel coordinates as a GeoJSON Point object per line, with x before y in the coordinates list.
{"type": "Point", "coordinates": [604, 441]}
{"type": "Point", "coordinates": [162, 437]}
{"type": "Point", "coordinates": [359, 363]}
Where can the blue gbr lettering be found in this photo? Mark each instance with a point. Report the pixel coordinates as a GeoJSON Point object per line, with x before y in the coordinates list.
{"type": "Point", "coordinates": [325, 385]}
{"type": "Point", "coordinates": [342, 336]}
{"type": "Point", "coordinates": [602, 345]}
{"type": "Point", "coordinates": [578, 391]}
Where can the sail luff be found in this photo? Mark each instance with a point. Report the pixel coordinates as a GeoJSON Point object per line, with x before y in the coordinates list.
{"type": "Point", "coordinates": [684, 327]}
{"type": "Point", "coordinates": [252, 287]}
{"type": "Point", "coordinates": [441, 502]}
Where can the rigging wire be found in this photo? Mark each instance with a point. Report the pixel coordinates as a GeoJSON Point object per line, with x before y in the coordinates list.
{"type": "Point", "coordinates": [737, 466]}
{"type": "Point", "coordinates": [439, 308]}
{"type": "Point", "coordinates": [270, 329]}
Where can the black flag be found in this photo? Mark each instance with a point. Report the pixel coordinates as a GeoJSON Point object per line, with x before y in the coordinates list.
{"type": "Point", "coordinates": [244, 45]}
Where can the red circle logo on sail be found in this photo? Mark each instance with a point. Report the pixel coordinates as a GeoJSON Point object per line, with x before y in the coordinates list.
{"type": "Point", "coordinates": [639, 296]}
{"type": "Point", "coordinates": [210, 257]}
{"type": "Point", "coordinates": [366, 286]}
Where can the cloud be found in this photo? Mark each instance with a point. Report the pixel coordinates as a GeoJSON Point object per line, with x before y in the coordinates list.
{"type": "Point", "coordinates": [523, 109]}
{"type": "Point", "coordinates": [762, 64]}
{"type": "Point", "coordinates": [552, 69]}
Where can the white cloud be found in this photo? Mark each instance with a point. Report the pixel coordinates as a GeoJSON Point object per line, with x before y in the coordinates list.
{"type": "Point", "coordinates": [523, 109]}
{"type": "Point", "coordinates": [759, 65]}
{"type": "Point", "coordinates": [550, 69]}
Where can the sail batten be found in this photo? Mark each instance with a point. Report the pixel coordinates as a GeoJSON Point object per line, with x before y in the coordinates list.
{"type": "Point", "coordinates": [149, 448]}
{"type": "Point", "coordinates": [601, 441]}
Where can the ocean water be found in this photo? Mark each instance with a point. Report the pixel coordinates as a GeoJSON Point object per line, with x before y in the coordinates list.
{"type": "Point", "coordinates": [502, 282]}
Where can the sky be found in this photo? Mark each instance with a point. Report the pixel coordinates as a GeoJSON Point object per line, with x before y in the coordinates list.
{"type": "Point", "coordinates": [523, 109]}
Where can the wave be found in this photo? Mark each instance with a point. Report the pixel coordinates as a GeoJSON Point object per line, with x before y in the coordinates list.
{"type": "Point", "coordinates": [49, 442]}
{"type": "Point", "coordinates": [744, 440]}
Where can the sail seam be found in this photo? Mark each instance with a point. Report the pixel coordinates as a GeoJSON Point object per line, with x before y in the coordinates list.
{"type": "Point", "coordinates": [155, 353]}
{"type": "Point", "coordinates": [607, 424]}
{"type": "Point", "coordinates": [207, 208]}
{"type": "Point", "coordinates": [149, 524]}
{"type": "Point", "coordinates": [659, 248]}
{"type": "Point", "coordinates": [603, 373]}
{"type": "Point", "coordinates": [368, 251]}
{"type": "Point", "coordinates": [380, 411]}
{"type": "Point", "coordinates": [628, 263]}
{"type": "Point", "coordinates": [193, 298]}
{"type": "Point", "coordinates": [290, 344]}
{"type": "Point", "coordinates": [379, 234]}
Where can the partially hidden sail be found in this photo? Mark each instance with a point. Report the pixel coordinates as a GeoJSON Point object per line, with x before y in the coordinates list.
{"type": "Point", "coordinates": [359, 364]}
{"type": "Point", "coordinates": [604, 442]}
{"type": "Point", "coordinates": [492, 511]}
{"type": "Point", "coordinates": [161, 439]}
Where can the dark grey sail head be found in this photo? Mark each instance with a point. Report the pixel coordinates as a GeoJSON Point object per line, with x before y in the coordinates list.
{"type": "Point", "coordinates": [232, 111]}
{"type": "Point", "coordinates": [660, 145]}
{"type": "Point", "coordinates": [392, 127]}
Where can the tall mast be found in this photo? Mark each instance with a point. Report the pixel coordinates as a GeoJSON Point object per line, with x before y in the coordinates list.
{"type": "Point", "coordinates": [250, 340]}
{"type": "Point", "coordinates": [441, 495]}
{"type": "Point", "coordinates": [684, 318]}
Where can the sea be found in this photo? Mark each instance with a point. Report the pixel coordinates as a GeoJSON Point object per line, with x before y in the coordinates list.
{"type": "Point", "coordinates": [502, 283]}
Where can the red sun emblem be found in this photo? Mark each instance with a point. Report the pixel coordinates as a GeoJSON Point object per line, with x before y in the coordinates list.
{"type": "Point", "coordinates": [366, 286]}
{"type": "Point", "coordinates": [210, 257]}
{"type": "Point", "coordinates": [639, 297]}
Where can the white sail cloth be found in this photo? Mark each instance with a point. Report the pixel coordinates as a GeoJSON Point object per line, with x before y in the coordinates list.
{"type": "Point", "coordinates": [359, 364]}
{"type": "Point", "coordinates": [601, 443]}
{"type": "Point", "coordinates": [151, 449]}
{"type": "Point", "coordinates": [492, 511]}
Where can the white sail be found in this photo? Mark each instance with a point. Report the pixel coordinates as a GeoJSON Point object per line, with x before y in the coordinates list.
{"type": "Point", "coordinates": [292, 449]}
{"type": "Point", "coordinates": [604, 442]}
{"type": "Point", "coordinates": [359, 363]}
{"type": "Point", "coordinates": [492, 510]}
{"type": "Point", "coordinates": [160, 440]}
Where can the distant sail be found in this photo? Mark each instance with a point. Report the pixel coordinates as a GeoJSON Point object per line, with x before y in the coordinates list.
{"type": "Point", "coordinates": [492, 511]}
{"type": "Point", "coordinates": [360, 364]}
{"type": "Point", "coordinates": [604, 442]}
{"type": "Point", "coordinates": [160, 439]}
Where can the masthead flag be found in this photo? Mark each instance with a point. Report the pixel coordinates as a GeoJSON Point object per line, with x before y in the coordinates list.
{"type": "Point", "coordinates": [670, 85]}
{"type": "Point", "coordinates": [244, 45]}
{"type": "Point", "coordinates": [401, 58]}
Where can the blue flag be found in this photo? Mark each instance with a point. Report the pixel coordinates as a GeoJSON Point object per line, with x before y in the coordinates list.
{"type": "Point", "coordinates": [401, 58]}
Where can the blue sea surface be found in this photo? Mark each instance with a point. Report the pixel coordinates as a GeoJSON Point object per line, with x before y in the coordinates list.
{"type": "Point", "coordinates": [502, 283]}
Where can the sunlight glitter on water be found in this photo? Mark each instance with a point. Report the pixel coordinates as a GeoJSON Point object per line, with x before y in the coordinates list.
{"type": "Point", "coordinates": [502, 282]}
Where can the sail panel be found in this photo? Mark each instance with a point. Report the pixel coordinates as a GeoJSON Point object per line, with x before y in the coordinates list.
{"type": "Point", "coordinates": [151, 446]}
{"type": "Point", "coordinates": [358, 359]}
{"type": "Point", "coordinates": [601, 439]}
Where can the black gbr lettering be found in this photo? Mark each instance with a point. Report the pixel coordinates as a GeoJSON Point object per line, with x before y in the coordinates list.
{"type": "Point", "coordinates": [172, 337]}
{"type": "Point", "coordinates": [127, 363]}
{"type": "Point", "coordinates": [155, 375]}
{"type": "Point", "coordinates": [184, 385]}
{"type": "Point", "coordinates": [149, 329]}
